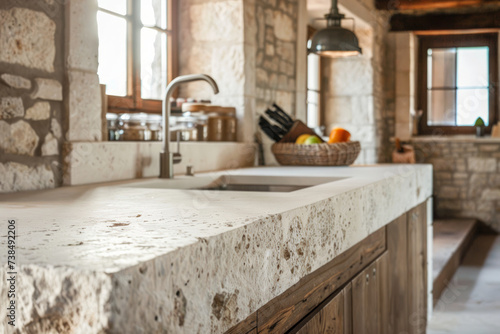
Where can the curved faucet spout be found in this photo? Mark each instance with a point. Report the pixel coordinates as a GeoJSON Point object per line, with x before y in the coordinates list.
{"type": "Point", "coordinates": [167, 158]}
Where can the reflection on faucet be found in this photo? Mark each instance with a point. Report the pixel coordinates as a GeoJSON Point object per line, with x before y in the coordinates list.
{"type": "Point", "coordinates": [167, 158]}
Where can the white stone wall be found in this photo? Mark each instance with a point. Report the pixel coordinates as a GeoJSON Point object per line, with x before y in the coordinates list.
{"type": "Point", "coordinates": [249, 47]}
{"type": "Point", "coordinates": [31, 94]}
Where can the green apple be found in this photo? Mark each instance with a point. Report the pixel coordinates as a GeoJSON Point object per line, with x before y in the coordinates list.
{"type": "Point", "coordinates": [312, 140]}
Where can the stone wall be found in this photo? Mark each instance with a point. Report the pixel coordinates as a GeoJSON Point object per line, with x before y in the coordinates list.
{"type": "Point", "coordinates": [276, 53]}
{"type": "Point", "coordinates": [466, 177]}
{"type": "Point", "coordinates": [31, 93]}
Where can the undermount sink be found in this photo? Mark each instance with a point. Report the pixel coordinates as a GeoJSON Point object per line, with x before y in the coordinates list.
{"type": "Point", "coordinates": [228, 182]}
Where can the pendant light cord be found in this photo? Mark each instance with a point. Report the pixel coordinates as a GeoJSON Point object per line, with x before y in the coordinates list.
{"type": "Point", "coordinates": [334, 17]}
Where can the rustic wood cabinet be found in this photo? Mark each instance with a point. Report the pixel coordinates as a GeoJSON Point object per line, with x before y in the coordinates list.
{"type": "Point", "coordinates": [417, 270]}
{"type": "Point", "coordinates": [368, 298]}
{"type": "Point", "coordinates": [377, 286]}
{"type": "Point", "coordinates": [329, 319]}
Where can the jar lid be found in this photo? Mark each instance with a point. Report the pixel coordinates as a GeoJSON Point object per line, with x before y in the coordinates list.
{"type": "Point", "coordinates": [228, 110]}
{"type": "Point", "coordinates": [134, 117]}
{"type": "Point", "coordinates": [223, 111]}
{"type": "Point", "coordinates": [138, 118]}
{"type": "Point", "coordinates": [154, 118]}
{"type": "Point", "coordinates": [196, 107]}
{"type": "Point", "coordinates": [189, 118]}
{"type": "Point", "coordinates": [111, 116]}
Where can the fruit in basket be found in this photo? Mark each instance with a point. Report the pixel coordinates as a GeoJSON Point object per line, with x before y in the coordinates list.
{"type": "Point", "coordinates": [339, 135]}
{"type": "Point", "coordinates": [312, 140]}
{"type": "Point", "coordinates": [302, 138]}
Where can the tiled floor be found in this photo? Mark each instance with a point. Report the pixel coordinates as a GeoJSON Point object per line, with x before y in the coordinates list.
{"type": "Point", "coordinates": [471, 303]}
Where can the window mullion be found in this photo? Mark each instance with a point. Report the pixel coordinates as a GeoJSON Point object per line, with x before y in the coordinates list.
{"type": "Point", "coordinates": [455, 84]}
{"type": "Point", "coordinates": [136, 52]}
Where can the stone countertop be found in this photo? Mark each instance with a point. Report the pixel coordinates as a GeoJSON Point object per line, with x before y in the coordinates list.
{"type": "Point", "coordinates": [127, 258]}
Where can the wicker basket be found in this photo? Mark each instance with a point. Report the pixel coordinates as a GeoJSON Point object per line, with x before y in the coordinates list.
{"type": "Point", "coordinates": [339, 154]}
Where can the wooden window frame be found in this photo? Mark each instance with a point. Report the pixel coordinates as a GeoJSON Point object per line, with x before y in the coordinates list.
{"type": "Point", "coordinates": [133, 102]}
{"type": "Point", "coordinates": [449, 41]}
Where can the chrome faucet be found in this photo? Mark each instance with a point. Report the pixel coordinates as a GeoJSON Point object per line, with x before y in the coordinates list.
{"type": "Point", "coordinates": [167, 158]}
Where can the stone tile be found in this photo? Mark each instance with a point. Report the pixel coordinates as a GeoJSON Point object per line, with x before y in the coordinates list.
{"type": "Point", "coordinates": [443, 175]}
{"type": "Point", "coordinates": [39, 111]}
{"type": "Point", "coordinates": [47, 89]}
{"type": "Point", "coordinates": [284, 29]}
{"type": "Point", "coordinates": [228, 70]}
{"type": "Point", "coordinates": [448, 192]}
{"type": "Point", "coordinates": [50, 145]}
{"type": "Point", "coordinates": [403, 84]}
{"type": "Point", "coordinates": [81, 35]}
{"type": "Point", "coordinates": [18, 138]}
{"type": "Point", "coordinates": [16, 81]}
{"type": "Point", "coordinates": [491, 194]}
{"type": "Point", "coordinates": [27, 38]}
{"type": "Point", "coordinates": [482, 164]}
{"type": "Point", "coordinates": [11, 107]}
{"type": "Point", "coordinates": [448, 204]}
{"type": "Point", "coordinates": [18, 177]}
{"type": "Point", "coordinates": [339, 74]}
{"type": "Point", "coordinates": [286, 51]}
{"type": "Point", "coordinates": [286, 101]}
{"type": "Point", "coordinates": [403, 109]}
{"type": "Point", "coordinates": [489, 148]}
{"type": "Point", "coordinates": [55, 128]}
{"type": "Point", "coordinates": [225, 24]}
{"type": "Point", "coordinates": [441, 164]}
{"type": "Point", "coordinates": [84, 103]}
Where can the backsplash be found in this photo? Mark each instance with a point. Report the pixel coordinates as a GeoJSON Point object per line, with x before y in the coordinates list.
{"type": "Point", "coordinates": [31, 94]}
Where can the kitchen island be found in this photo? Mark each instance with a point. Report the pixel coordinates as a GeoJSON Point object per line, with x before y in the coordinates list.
{"type": "Point", "coordinates": [135, 257]}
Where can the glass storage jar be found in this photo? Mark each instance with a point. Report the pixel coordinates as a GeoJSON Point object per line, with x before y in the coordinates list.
{"type": "Point", "coordinates": [190, 127]}
{"type": "Point", "coordinates": [154, 123]}
{"type": "Point", "coordinates": [221, 124]}
{"type": "Point", "coordinates": [133, 127]}
{"type": "Point", "coordinates": [112, 124]}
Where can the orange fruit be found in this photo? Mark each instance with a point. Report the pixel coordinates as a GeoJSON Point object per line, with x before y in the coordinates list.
{"type": "Point", "coordinates": [301, 139]}
{"type": "Point", "coordinates": [339, 135]}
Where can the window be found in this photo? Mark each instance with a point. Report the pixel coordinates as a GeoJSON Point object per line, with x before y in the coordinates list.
{"type": "Point", "coordinates": [457, 76]}
{"type": "Point", "coordinates": [136, 58]}
{"type": "Point", "coordinates": [313, 90]}
{"type": "Point", "coordinates": [313, 85]}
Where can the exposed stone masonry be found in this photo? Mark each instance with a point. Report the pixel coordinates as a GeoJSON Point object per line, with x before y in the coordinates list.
{"type": "Point", "coordinates": [30, 94]}
{"type": "Point", "coordinates": [466, 178]}
{"type": "Point", "coordinates": [276, 53]}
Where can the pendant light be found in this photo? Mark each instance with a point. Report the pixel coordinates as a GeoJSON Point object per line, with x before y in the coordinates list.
{"type": "Point", "coordinates": [334, 41]}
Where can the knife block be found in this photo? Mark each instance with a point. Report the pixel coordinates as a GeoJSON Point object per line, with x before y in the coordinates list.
{"type": "Point", "coordinates": [298, 128]}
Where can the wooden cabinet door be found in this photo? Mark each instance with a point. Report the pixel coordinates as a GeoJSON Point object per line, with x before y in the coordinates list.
{"type": "Point", "coordinates": [397, 289]}
{"type": "Point", "coordinates": [417, 269]}
{"type": "Point", "coordinates": [369, 299]}
{"type": "Point", "coordinates": [328, 320]}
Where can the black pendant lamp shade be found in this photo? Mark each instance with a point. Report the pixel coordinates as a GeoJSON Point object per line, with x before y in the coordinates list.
{"type": "Point", "coordinates": [334, 41]}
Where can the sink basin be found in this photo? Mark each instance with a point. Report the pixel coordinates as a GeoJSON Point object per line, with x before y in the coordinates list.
{"type": "Point", "coordinates": [228, 182]}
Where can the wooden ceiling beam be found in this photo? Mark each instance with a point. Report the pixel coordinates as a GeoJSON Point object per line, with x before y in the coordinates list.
{"type": "Point", "coordinates": [441, 21]}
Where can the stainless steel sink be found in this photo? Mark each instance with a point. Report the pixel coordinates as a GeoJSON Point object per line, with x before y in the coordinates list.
{"type": "Point", "coordinates": [265, 183]}
{"type": "Point", "coordinates": [235, 182]}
